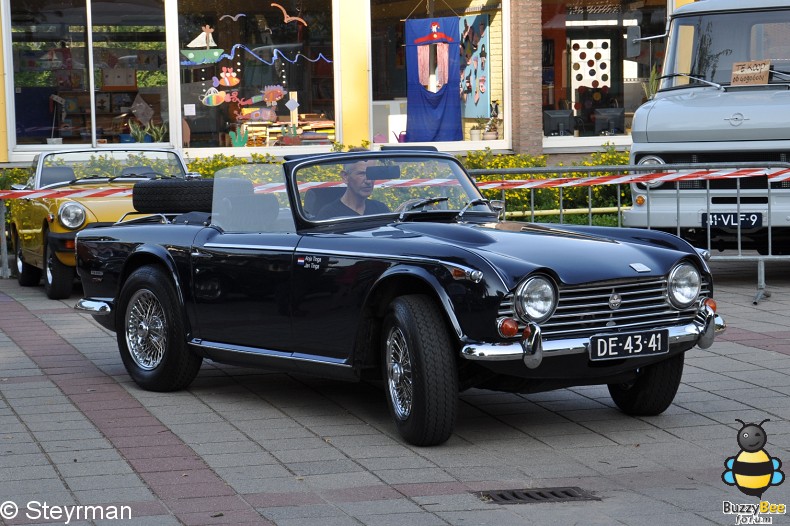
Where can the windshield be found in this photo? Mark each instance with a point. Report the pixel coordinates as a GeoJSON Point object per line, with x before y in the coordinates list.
{"type": "Point", "coordinates": [63, 167]}
{"type": "Point", "coordinates": [353, 186]}
{"type": "Point", "coordinates": [706, 46]}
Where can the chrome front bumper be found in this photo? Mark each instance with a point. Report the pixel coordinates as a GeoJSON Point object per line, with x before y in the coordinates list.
{"type": "Point", "coordinates": [531, 351]}
{"type": "Point", "coordinates": [94, 306]}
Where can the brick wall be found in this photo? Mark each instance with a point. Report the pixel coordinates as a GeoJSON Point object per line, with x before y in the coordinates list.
{"type": "Point", "coordinates": [526, 74]}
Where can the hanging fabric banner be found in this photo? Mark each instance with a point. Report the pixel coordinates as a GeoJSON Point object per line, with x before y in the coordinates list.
{"type": "Point", "coordinates": [433, 115]}
{"type": "Point", "coordinates": [475, 68]}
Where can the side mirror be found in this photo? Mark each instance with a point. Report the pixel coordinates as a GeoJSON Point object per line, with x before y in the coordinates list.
{"type": "Point", "coordinates": [498, 205]}
{"type": "Point", "coordinates": [18, 186]}
{"type": "Point", "coordinates": [633, 46]}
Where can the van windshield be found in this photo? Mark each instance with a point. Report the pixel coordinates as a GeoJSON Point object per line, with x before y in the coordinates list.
{"type": "Point", "coordinates": [705, 47]}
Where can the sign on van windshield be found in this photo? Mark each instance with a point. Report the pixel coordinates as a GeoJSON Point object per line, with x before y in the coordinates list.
{"type": "Point", "coordinates": [750, 73]}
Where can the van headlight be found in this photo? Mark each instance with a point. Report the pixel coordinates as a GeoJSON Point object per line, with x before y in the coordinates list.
{"type": "Point", "coordinates": [72, 215]}
{"type": "Point", "coordinates": [684, 285]}
{"type": "Point", "coordinates": [650, 160]}
{"type": "Point", "coordinates": [536, 299]}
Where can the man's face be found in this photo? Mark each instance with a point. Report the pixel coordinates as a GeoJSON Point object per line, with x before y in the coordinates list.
{"type": "Point", "coordinates": [357, 181]}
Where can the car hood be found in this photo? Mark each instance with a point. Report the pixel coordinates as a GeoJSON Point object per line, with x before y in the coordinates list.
{"type": "Point", "coordinates": [709, 114]}
{"type": "Point", "coordinates": [575, 255]}
{"type": "Point", "coordinates": [101, 209]}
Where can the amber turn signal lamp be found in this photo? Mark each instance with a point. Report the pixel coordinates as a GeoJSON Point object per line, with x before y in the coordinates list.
{"type": "Point", "coordinates": [69, 244]}
{"type": "Point", "coordinates": [710, 302]}
{"type": "Point", "coordinates": [640, 200]}
{"type": "Point", "coordinates": [508, 327]}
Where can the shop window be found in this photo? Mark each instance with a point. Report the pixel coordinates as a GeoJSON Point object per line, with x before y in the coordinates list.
{"type": "Point", "coordinates": [259, 77]}
{"type": "Point", "coordinates": [591, 87]}
{"type": "Point", "coordinates": [58, 100]}
{"type": "Point", "coordinates": [474, 84]}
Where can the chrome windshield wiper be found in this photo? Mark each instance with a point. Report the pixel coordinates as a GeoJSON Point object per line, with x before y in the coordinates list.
{"type": "Point", "coordinates": [692, 77]}
{"type": "Point", "coordinates": [421, 203]}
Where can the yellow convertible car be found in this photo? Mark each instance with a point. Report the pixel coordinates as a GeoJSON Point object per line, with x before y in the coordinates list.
{"type": "Point", "coordinates": [43, 224]}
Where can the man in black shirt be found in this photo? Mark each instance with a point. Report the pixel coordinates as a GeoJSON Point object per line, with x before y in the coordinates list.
{"type": "Point", "coordinates": [356, 199]}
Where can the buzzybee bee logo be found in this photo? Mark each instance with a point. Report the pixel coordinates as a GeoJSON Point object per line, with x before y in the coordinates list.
{"type": "Point", "coordinates": [753, 471]}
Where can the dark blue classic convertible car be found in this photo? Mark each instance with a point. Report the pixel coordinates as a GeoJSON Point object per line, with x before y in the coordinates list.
{"type": "Point", "coordinates": [392, 265]}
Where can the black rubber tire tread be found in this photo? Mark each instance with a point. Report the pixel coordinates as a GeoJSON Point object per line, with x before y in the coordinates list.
{"type": "Point", "coordinates": [179, 365]}
{"type": "Point", "coordinates": [653, 392]}
{"type": "Point", "coordinates": [62, 276]}
{"type": "Point", "coordinates": [173, 196]}
{"type": "Point", "coordinates": [27, 275]}
{"type": "Point", "coordinates": [434, 370]}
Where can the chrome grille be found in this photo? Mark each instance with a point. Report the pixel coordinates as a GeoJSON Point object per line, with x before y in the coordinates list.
{"type": "Point", "coordinates": [583, 310]}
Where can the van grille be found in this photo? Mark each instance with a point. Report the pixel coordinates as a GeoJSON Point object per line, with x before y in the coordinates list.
{"type": "Point", "coordinates": [583, 310]}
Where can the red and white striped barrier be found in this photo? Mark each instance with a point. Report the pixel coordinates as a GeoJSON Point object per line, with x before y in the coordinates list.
{"type": "Point", "coordinates": [773, 175]}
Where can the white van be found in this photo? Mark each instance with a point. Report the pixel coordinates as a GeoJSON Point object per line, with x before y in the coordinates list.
{"type": "Point", "coordinates": [724, 96]}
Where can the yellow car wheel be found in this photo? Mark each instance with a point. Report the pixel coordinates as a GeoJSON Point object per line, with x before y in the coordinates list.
{"type": "Point", "coordinates": [58, 278]}
{"type": "Point", "coordinates": [27, 275]}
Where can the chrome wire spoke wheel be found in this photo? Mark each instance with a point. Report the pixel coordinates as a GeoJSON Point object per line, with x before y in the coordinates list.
{"type": "Point", "coordinates": [146, 329]}
{"type": "Point", "coordinates": [399, 374]}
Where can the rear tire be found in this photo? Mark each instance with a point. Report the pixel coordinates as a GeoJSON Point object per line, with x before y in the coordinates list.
{"type": "Point", "coordinates": [420, 371]}
{"type": "Point", "coordinates": [653, 391]}
{"type": "Point", "coordinates": [58, 278]}
{"type": "Point", "coordinates": [27, 275]}
{"type": "Point", "coordinates": [150, 332]}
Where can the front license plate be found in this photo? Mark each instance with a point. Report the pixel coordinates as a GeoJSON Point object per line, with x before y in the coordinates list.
{"type": "Point", "coordinates": [629, 345]}
{"type": "Point", "coordinates": [730, 219]}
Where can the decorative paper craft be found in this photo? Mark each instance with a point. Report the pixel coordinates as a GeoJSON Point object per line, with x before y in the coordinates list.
{"type": "Point", "coordinates": [204, 40]}
{"type": "Point", "coordinates": [142, 110]}
{"type": "Point", "coordinates": [121, 102]}
{"type": "Point", "coordinates": [119, 79]}
{"type": "Point", "coordinates": [69, 79]}
{"type": "Point", "coordinates": [102, 102]}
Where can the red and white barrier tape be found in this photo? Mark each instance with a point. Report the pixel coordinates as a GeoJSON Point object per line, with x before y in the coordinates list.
{"type": "Point", "coordinates": [773, 174]}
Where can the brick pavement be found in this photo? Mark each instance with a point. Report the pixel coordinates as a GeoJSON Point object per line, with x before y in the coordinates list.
{"type": "Point", "coordinates": [254, 447]}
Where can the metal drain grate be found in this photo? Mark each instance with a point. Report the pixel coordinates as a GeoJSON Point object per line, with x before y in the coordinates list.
{"type": "Point", "coordinates": [536, 495]}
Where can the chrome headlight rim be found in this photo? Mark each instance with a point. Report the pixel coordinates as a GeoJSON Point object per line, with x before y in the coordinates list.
{"type": "Point", "coordinates": [521, 299]}
{"type": "Point", "coordinates": [677, 299]}
{"type": "Point", "coordinates": [72, 215]}
{"type": "Point", "coordinates": [650, 160]}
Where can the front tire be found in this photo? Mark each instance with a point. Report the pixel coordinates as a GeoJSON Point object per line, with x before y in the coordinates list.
{"type": "Point", "coordinates": [652, 392]}
{"type": "Point", "coordinates": [420, 371]}
{"type": "Point", "coordinates": [58, 278]}
{"type": "Point", "coordinates": [151, 335]}
{"type": "Point", "coordinates": [27, 275]}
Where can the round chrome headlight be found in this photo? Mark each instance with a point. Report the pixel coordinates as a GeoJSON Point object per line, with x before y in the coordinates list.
{"type": "Point", "coordinates": [684, 285]}
{"type": "Point", "coordinates": [536, 299]}
{"type": "Point", "coordinates": [650, 160]}
{"type": "Point", "coordinates": [72, 215]}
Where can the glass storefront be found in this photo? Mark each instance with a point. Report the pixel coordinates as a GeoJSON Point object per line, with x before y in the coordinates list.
{"type": "Point", "coordinates": [409, 81]}
{"type": "Point", "coordinates": [65, 95]}
{"type": "Point", "coordinates": [260, 74]}
{"type": "Point", "coordinates": [593, 79]}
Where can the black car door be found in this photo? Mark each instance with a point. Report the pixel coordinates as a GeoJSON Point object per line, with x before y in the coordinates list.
{"type": "Point", "coordinates": [241, 286]}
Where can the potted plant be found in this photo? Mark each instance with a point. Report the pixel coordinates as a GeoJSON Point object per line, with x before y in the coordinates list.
{"type": "Point", "coordinates": [157, 132]}
{"type": "Point", "coordinates": [137, 131]}
{"type": "Point", "coordinates": [476, 131]}
{"type": "Point", "coordinates": [491, 129]}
